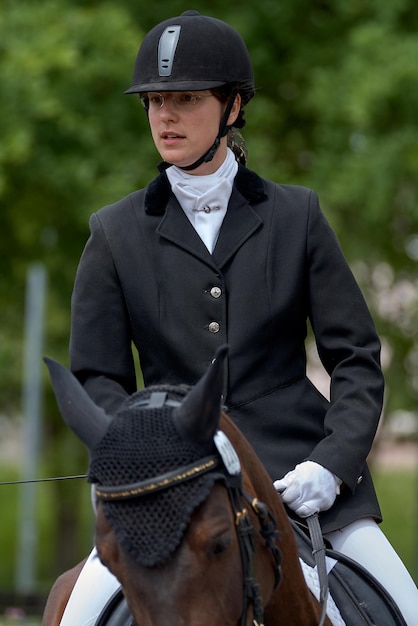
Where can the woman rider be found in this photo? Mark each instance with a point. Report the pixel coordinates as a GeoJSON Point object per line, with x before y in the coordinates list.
{"type": "Point", "coordinates": [212, 253]}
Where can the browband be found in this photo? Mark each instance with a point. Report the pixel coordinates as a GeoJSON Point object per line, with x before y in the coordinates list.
{"type": "Point", "coordinates": [158, 483]}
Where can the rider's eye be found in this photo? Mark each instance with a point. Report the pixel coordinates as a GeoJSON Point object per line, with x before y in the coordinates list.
{"type": "Point", "coordinates": [156, 99]}
{"type": "Point", "coordinates": [186, 98]}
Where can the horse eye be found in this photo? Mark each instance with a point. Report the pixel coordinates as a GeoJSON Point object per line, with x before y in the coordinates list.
{"type": "Point", "coordinates": [220, 546]}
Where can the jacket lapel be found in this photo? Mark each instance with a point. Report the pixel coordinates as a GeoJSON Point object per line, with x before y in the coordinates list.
{"type": "Point", "coordinates": [240, 222]}
{"type": "Point", "coordinates": [176, 227]}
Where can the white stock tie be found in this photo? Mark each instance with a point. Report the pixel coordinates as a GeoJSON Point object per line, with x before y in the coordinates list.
{"type": "Point", "coordinates": [204, 199]}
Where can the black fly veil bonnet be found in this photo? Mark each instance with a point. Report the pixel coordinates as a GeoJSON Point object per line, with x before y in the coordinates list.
{"type": "Point", "coordinates": [148, 446]}
{"type": "Point", "coordinates": [143, 443]}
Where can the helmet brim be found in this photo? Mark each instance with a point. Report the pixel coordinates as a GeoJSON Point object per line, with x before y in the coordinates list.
{"type": "Point", "coordinates": [185, 85]}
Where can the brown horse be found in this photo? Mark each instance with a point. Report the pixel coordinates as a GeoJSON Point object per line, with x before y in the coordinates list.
{"type": "Point", "coordinates": [191, 536]}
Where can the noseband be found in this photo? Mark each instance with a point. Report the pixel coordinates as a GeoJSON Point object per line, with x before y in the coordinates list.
{"type": "Point", "coordinates": [227, 466]}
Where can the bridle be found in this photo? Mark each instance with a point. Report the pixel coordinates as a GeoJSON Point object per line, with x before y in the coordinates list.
{"type": "Point", "coordinates": [245, 532]}
{"type": "Point", "coordinates": [226, 466]}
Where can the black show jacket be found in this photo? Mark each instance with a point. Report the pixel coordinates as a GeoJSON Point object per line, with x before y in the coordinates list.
{"type": "Point", "coordinates": [145, 278]}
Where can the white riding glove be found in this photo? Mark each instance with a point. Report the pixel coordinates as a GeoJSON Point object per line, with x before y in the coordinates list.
{"type": "Point", "coordinates": [309, 488]}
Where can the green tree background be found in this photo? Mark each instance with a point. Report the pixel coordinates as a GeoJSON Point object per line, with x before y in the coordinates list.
{"type": "Point", "coordinates": [336, 110]}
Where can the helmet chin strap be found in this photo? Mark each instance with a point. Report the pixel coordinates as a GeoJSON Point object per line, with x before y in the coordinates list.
{"type": "Point", "coordinates": [223, 129]}
{"type": "Point", "coordinates": [208, 156]}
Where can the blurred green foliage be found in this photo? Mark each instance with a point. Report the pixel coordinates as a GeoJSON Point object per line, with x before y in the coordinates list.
{"type": "Point", "coordinates": [336, 109]}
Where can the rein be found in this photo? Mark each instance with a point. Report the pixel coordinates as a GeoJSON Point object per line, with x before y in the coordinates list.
{"type": "Point", "coordinates": [318, 552]}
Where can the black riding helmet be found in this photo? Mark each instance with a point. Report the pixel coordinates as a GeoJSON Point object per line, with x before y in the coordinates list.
{"type": "Point", "coordinates": [194, 52]}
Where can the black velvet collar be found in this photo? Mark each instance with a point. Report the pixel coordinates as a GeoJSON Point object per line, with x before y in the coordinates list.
{"type": "Point", "coordinates": [248, 183]}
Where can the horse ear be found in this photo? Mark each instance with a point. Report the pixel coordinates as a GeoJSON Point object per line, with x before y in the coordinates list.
{"type": "Point", "coordinates": [88, 421]}
{"type": "Point", "coordinates": [198, 416]}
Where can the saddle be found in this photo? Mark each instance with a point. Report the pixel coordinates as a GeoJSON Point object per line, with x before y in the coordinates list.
{"type": "Point", "coordinates": [360, 598]}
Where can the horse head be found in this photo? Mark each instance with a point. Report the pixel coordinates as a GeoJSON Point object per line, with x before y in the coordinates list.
{"type": "Point", "coordinates": [174, 521]}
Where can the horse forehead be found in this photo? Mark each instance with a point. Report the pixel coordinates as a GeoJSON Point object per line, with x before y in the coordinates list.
{"type": "Point", "coordinates": [213, 517]}
{"type": "Point", "coordinates": [193, 582]}
{"type": "Point", "coordinates": [212, 521]}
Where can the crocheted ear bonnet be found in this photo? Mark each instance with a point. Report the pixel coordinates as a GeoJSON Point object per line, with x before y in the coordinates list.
{"type": "Point", "coordinates": [141, 443]}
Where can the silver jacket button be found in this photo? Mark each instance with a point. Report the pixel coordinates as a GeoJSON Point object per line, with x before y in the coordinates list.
{"type": "Point", "coordinates": [216, 292]}
{"type": "Point", "coordinates": [214, 327]}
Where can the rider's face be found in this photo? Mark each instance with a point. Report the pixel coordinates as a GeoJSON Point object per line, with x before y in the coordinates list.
{"type": "Point", "coordinates": [184, 127]}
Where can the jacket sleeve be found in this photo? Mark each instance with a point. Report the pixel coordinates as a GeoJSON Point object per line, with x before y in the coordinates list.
{"type": "Point", "coordinates": [349, 349]}
{"type": "Point", "coordinates": [100, 343]}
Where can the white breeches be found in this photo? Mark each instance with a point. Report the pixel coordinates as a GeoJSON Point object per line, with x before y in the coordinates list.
{"type": "Point", "coordinates": [94, 587]}
{"type": "Point", "coordinates": [365, 543]}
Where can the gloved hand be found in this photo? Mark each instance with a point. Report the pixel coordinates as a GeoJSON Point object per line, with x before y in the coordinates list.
{"type": "Point", "coordinates": [309, 488]}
